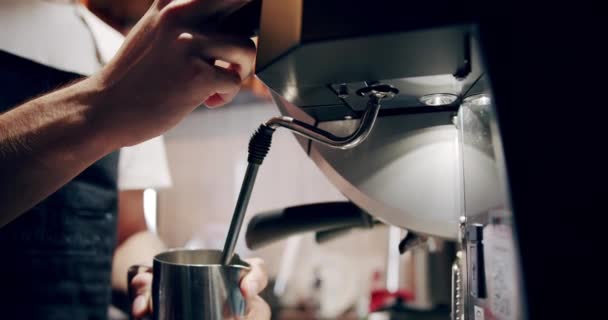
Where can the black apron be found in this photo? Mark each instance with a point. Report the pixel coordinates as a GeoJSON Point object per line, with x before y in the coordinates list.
{"type": "Point", "coordinates": [56, 259]}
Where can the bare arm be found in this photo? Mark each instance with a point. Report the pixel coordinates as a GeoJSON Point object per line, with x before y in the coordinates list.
{"type": "Point", "coordinates": [163, 72]}
{"type": "Point", "coordinates": [45, 143]}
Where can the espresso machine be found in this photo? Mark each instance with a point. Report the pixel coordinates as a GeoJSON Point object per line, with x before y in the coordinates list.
{"type": "Point", "coordinates": [440, 153]}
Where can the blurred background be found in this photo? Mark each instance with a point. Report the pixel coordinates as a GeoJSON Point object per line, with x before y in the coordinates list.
{"type": "Point", "coordinates": [207, 159]}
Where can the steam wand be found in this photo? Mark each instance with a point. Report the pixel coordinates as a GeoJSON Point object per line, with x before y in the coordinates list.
{"type": "Point", "coordinates": [259, 145]}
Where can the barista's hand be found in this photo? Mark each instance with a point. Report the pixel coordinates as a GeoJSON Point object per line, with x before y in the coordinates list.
{"type": "Point", "coordinates": [252, 284]}
{"type": "Point", "coordinates": [167, 68]}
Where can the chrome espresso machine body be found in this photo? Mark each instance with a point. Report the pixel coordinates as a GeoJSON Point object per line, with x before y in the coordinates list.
{"type": "Point", "coordinates": [444, 159]}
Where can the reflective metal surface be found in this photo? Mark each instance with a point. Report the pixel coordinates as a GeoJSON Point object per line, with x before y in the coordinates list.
{"type": "Point", "coordinates": [375, 94]}
{"type": "Point", "coordinates": [239, 212]}
{"type": "Point", "coordinates": [493, 285]}
{"type": "Point", "coordinates": [193, 284]}
{"type": "Point", "coordinates": [457, 289]}
{"type": "Point", "coordinates": [413, 179]}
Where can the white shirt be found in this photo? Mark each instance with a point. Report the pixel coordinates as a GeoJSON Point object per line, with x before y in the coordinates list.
{"type": "Point", "coordinates": [68, 37]}
{"type": "Point", "coordinates": [144, 166]}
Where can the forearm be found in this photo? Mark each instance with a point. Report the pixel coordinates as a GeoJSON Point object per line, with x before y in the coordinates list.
{"type": "Point", "coordinates": [140, 248]}
{"type": "Point", "coordinates": [46, 142]}
{"type": "Point", "coordinates": [164, 71]}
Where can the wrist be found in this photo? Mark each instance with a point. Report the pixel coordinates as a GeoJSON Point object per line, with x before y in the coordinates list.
{"type": "Point", "coordinates": [98, 116]}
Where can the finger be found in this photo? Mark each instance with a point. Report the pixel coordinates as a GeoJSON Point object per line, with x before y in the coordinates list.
{"type": "Point", "coordinates": [141, 306]}
{"type": "Point", "coordinates": [209, 12]}
{"type": "Point", "coordinates": [257, 309]}
{"type": "Point", "coordinates": [224, 85]}
{"type": "Point", "coordinates": [255, 280]}
{"type": "Point", "coordinates": [238, 52]}
{"type": "Point", "coordinates": [218, 100]}
{"type": "Point", "coordinates": [142, 283]}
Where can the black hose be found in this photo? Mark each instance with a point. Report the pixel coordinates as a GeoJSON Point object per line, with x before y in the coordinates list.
{"type": "Point", "coordinates": [259, 145]}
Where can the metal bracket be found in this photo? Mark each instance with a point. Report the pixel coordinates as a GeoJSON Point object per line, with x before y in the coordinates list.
{"type": "Point", "coordinates": [376, 93]}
